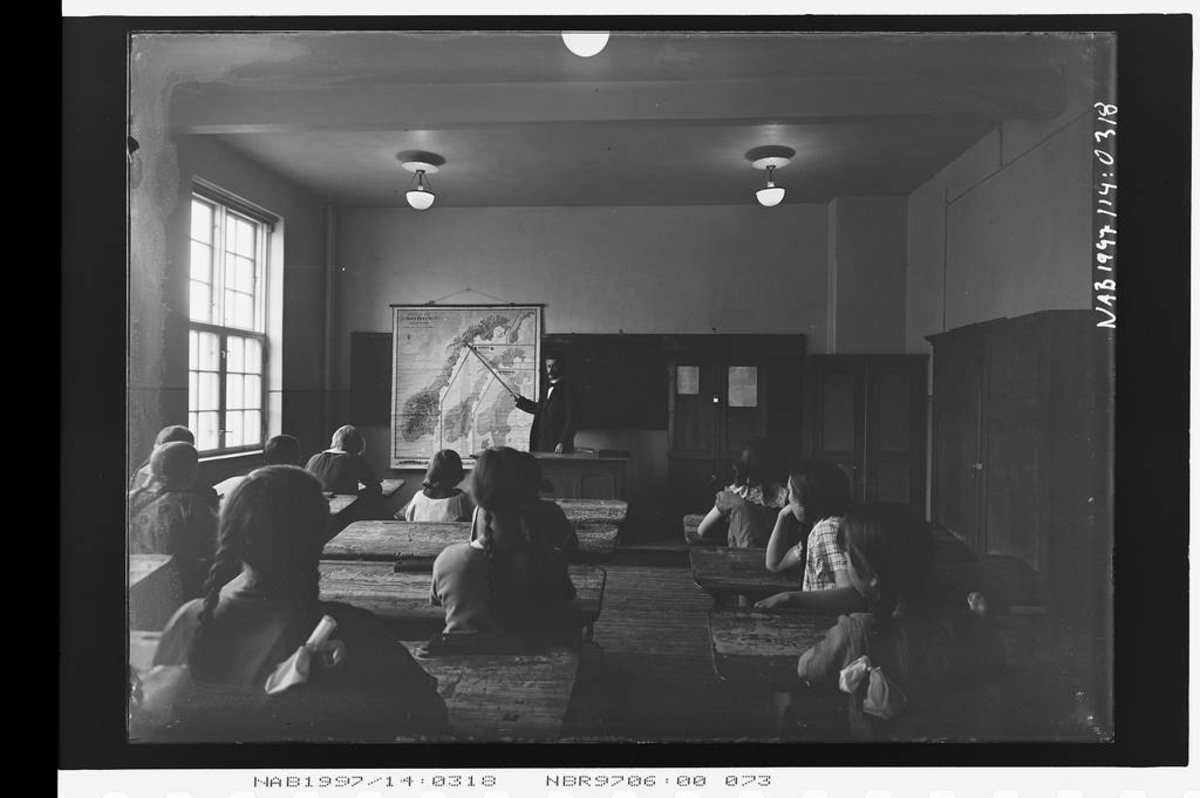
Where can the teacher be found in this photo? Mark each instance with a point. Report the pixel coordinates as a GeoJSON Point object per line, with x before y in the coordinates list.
{"type": "Point", "coordinates": [555, 415]}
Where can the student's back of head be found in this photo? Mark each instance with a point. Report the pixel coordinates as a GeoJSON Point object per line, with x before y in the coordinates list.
{"type": "Point", "coordinates": [751, 467]}
{"type": "Point", "coordinates": [282, 450]}
{"type": "Point", "coordinates": [174, 465]}
{"type": "Point", "coordinates": [444, 473]}
{"type": "Point", "coordinates": [347, 438]}
{"type": "Point", "coordinates": [174, 433]}
{"type": "Point", "coordinates": [822, 488]}
{"type": "Point", "coordinates": [497, 483]}
{"type": "Point", "coordinates": [889, 554]}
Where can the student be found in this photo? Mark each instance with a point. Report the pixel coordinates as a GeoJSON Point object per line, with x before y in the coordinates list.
{"type": "Point", "coordinates": [342, 468]}
{"type": "Point", "coordinates": [271, 531]}
{"type": "Point", "coordinates": [818, 496]}
{"type": "Point", "coordinates": [503, 581]}
{"type": "Point", "coordinates": [547, 521]}
{"type": "Point", "coordinates": [748, 505]}
{"type": "Point", "coordinates": [279, 450]}
{"type": "Point", "coordinates": [168, 517]}
{"type": "Point", "coordinates": [171, 434]}
{"type": "Point", "coordinates": [916, 646]}
{"type": "Point", "coordinates": [441, 499]}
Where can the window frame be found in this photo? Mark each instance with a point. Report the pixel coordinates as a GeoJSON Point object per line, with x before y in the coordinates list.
{"type": "Point", "coordinates": [224, 206]}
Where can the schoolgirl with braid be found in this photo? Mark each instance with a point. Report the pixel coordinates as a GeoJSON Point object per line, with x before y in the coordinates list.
{"type": "Point", "coordinates": [262, 601]}
{"type": "Point", "coordinates": [506, 580]}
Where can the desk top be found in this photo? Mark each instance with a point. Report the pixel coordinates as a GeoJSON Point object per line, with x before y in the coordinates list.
{"type": "Point", "coordinates": [142, 565]}
{"type": "Point", "coordinates": [390, 486]}
{"type": "Point", "coordinates": [587, 457]}
{"type": "Point", "coordinates": [762, 647]}
{"type": "Point", "coordinates": [404, 596]}
{"type": "Point", "coordinates": [340, 501]}
{"type": "Point", "coordinates": [594, 511]}
{"type": "Point", "coordinates": [726, 571]}
{"type": "Point", "coordinates": [418, 543]}
{"type": "Point", "coordinates": [504, 696]}
{"type": "Point", "coordinates": [141, 649]}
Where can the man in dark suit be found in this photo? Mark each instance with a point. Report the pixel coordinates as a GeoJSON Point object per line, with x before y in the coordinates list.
{"type": "Point", "coordinates": [555, 415]}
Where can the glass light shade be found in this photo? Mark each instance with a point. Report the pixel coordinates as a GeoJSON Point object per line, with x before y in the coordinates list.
{"type": "Point", "coordinates": [771, 195]}
{"type": "Point", "coordinates": [419, 198]}
{"type": "Point", "coordinates": [585, 44]}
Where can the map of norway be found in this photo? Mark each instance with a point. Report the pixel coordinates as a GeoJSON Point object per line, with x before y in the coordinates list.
{"type": "Point", "coordinates": [445, 396]}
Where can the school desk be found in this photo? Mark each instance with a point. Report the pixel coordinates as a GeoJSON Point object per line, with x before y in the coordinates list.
{"type": "Point", "coordinates": [415, 544]}
{"type": "Point", "coordinates": [155, 590]}
{"type": "Point", "coordinates": [390, 486]}
{"type": "Point", "coordinates": [402, 598]}
{"type": "Point", "coordinates": [594, 511]}
{"type": "Point", "coordinates": [340, 501]}
{"type": "Point", "coordinates": [141, 648]}
{"type": "Point", "coordinates": [691, 532]}
{"type": "Point", "coordinates": [504, 697]}
{"type": "Point", "coordinates": [762, 647]}
{"type": "Point", "coordinates": [725, 572]}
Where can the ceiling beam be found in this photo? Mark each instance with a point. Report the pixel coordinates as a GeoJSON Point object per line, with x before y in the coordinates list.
{"type": "Point", "coordinates": [218, 108]}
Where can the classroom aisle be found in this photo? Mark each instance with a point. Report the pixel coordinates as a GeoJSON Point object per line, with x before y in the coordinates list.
{"type": "Point", "coordinates": [653, 680]}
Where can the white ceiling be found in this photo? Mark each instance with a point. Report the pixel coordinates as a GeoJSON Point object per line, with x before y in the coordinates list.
{"type": "Point", "coordinates": [655, 119]}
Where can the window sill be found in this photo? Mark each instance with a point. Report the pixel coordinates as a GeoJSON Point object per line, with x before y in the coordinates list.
{"type": "Point", "coordinates": [222, 458]}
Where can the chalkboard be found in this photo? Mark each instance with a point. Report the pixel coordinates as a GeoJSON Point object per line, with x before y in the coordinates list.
{"type": "Point", "coordinates": [370, 378]}
{"type": "Point", "coordinates": [621, 379]}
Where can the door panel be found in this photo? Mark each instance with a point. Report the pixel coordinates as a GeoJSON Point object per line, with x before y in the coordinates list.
{"type": "Point", "coordinates": [895, 431]}
{"type": "Point", "coordinates": [957, 455]}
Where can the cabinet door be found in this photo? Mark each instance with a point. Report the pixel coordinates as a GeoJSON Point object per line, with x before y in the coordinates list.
{"type": "Point", "coordinates": [837, 392]}
{"type": "Point", "coordinates": [894, 462]}
{"type": "Point", "coordinates": [957, 416]}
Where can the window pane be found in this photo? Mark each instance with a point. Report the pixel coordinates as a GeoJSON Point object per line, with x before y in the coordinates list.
{"type": "Point", "coordinates": [253, 359]}
{"type": "Point", "coordinates": [191, 421]}
{"type": "Point", "coordinates": [229, 308]}
{"type": "Point", "coordinates": [202, 221]}
{"type": "Point", "coordinates": [209, 386]}
{"type": "Point", "coordinates": [233, 360]}
{"type": "Point", "coordinates": [743, 386]}
{"type": "Point", "coordinates": [233, 428]}
{"type": "Point", "coordinates": [201, 298]}
{"type": "Point", "coordinates": [253, 427]}
{"type": "Point", "coordinates": [245, 238]}
{"type": "Point", "coordinates": [193, 399]}
{"type": "Point", "coordinates": [245, 275]}
{"type": "Point", "coordinates": [193, 350]}
{"type": "Point", "coordinates": [210, 351]}
{"type": "Point", "coordinates": [253, 395]}
{"type": "Point", "coordinates": [233, 391]}
{"type": "Point", "coordinates": [201, 262]}
{"type": "Point", "coordinates": [206, 431]}
{"type": "Point", "coordinates": [245, 311]}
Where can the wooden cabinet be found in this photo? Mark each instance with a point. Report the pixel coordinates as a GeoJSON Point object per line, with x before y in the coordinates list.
{"type": "Point", "coordinates": [867, 414]}
{"type": "Point", "coordinates": [1022, 446]}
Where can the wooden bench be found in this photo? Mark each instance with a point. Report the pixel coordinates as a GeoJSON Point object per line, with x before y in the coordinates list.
{"type": "Point", "coordinates": [403, 598]}
{"type": "Point", "coordinates": [155, 590]}
{"type": "Point", "coordinates": [504, 697]}
{"type": "Point", "coordinates": [594, 511]}
{"type": "Point", "coordinates": [414, 545]}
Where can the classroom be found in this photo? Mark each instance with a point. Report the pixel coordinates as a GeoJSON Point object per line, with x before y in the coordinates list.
{"type": "Point", "coordinates": [619, 387]}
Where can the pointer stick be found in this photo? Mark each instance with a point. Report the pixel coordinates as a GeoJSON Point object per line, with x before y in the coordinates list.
{"type": "Point", "coordinates": [483, 360]}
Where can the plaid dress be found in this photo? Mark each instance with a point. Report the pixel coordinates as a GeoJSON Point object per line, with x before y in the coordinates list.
{"type": "Point", "coordinates": [823, 557]}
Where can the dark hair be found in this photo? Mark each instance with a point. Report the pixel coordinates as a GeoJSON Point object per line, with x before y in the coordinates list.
{"type": "Point", "coordinates": [175, 432]}
{"type": "Point", "coordinates": [174, 464]}
{"type": "Point", "coordinates": [890, 543]}
{"type": "Point", "coordinates": [445, 471]}
{"type": "Point", "coordinates": [274, 522]}
{"type": "Point", "coordinates": [751, 464]}
{"type": "Point", "coordinates": [822, 488]}
{"type": "Point", "coordinates": [348, 439]}
{"type": "Point", "coordinates": [496, 480]}
{"type": "Point", "coordinates": [530, 476]}
{"type": "Point", "coordinates": [282, 450]}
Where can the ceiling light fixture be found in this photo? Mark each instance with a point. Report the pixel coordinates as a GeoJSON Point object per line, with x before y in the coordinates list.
{"type": "Point", "coordinates": [585, 44]}
{"type": "Point", "coordinates": [423, 164]}
{"type": "Point", "coordinates": [770, 158]}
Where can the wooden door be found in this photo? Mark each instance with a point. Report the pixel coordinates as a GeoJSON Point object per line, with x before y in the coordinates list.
{"type": "Point", "coordinates": [894, 444]}
{"type": "Point", "coordinates": [694, 457]}
{"type": "Point", "coordinates": [957, 435]}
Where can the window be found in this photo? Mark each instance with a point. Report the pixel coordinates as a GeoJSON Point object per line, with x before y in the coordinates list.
{"type": "Point", "coordinates": [227, 335]}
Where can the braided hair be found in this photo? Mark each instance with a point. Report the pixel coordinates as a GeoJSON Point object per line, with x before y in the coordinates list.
{"type": "Point", "coordinates": [272, 523]}
{"type": "Point", "coordinates": [497, 487]}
